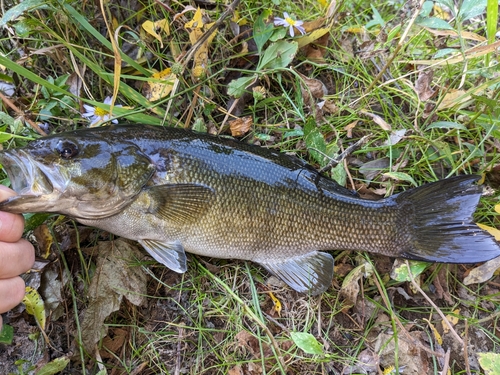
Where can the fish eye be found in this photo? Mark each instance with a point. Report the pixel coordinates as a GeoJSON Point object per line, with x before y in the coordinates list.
{"type": "Point", "coordinates": [67, 150]}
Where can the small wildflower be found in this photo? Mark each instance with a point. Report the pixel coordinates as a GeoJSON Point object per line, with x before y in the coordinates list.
{"type": "Point", "coordinates": [98, 115]}
{"type": "Point", "coordinates": [291, 23]}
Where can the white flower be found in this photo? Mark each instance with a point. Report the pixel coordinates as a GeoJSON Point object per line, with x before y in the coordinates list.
{"type": "Point", "coordinates": [98, 115]}
{"type": "Point", "coordinates": [288, 22]}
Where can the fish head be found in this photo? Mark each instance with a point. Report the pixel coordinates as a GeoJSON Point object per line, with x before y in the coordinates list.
{"type": "Point", "coordinates": [78, 174]}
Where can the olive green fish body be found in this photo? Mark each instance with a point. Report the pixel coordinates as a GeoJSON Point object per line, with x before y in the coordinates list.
{"type": "Point", "coordinates": [176, 191]}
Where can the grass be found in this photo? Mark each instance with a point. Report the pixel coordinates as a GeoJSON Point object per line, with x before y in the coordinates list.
{"type": "Point", "coordinates": [219, 317]}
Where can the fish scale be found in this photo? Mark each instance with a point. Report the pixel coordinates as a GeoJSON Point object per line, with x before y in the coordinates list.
{"type": "Point", "coordinates": [176, 191]}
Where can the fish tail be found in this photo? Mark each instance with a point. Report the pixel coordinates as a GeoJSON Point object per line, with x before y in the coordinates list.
{"type": "Point", "coordinates": [440, 223]}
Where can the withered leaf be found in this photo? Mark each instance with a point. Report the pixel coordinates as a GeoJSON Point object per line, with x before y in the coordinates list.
{"type": "Point", "coordinates": [240, 126]}
{"type": "Point", "coordinates": [423, 85]}
{"type": "Point", "coordinates": [114, 279]}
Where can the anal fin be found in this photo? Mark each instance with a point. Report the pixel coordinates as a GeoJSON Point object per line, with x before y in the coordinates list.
{"type": "Point", "coordinates": [310, 273]}
{"type": "Point", "coordinates": [170, 254]}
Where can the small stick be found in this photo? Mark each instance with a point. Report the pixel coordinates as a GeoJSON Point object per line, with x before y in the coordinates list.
{"type": "Point", "coordinates": [33, 124]}
{"type": "Point", "coordinates": [339, 158]}
{"type": "Point", "coordinates": [417, 287]}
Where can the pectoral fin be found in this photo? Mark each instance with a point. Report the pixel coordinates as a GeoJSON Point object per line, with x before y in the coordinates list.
{"type": "Point", "coordinates": [170, 254]}
{"type": "Point", "coordinates": [180, 203]}
{"type": "Point", "coordinates": [310, 273]}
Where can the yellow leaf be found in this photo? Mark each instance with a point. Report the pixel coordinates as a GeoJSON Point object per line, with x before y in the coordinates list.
{"type": "Point", "coordinates": [452, 319]}
{"type": "Point", "coordinates": [311, 37]}
{"type": "Point", "coordinates": [160, 86]}
{"type": "Point", "coordinates": [151, 28]}
{"type": "Point", "coordinates": [441, 13]}
{"type": "Point", "coordinates": [493, 231]}
{"type": "Point", "coordinates": [276, 302]}
{"type": "Point", "coordinates": [196, 22]}
{"type": "Point", "coordinates": [355, 30]}
{"type": "Point", "coordinates": [497, 208]}
{"type": "Point", "coordinates": [34, 306]}
{"type": "Point", "coordinates": [437, 336]}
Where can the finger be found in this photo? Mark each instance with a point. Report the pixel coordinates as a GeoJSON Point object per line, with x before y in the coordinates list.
{"type": "Point", "coordinates": [11, 225]}
{"type": "Point", "coordinates": [15, 258]}
{"type": "Point", "coordinates": [11, 293]}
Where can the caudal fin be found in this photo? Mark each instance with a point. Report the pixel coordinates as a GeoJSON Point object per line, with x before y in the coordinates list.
{"type": "Point", "coordinates": [441, 220]}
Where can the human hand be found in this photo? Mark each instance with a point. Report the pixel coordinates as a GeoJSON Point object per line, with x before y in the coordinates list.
{"type": "Point", "coordinates": [16, 256]}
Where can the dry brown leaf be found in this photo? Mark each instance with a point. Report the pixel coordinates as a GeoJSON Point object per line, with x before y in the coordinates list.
{"type": "Point", "coordinates": [240, 126]}
{"type": "Point", "coordinates": [113, 279]}
{"type": "Point", "coordinates": [482, 273]}
{"type": "Point", "coordinates": [423, 85]}
{"type": "Point", "coordinates": [316, 51]}
{"type": "Point", "coordinates": [348, 128]}
{"type": "Point", "coordinates": [465, 34]}
{"type": "Point", "coordinates": [378, 120]}
{"type": "Point", "coordinates": [454, 98]}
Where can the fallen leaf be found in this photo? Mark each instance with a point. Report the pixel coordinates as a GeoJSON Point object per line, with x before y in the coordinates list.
{"type": "Point", "coordinates": [54, 367]}
{"type": "Point", "coordinates": [490, 363]}
{"type": "Point", "coordinates": [113, 279]}
{"type": "Point", "coordinates": [196, 29]}
{"type": "Point", "coordinates": [160, 85]}
{"type": "Point", "coordinates": [276, 304]}
{"type": "Point", "coordinates": [152, 27]}
{"type": "Point", "coordinates": [482, 273]}
{"type": "Point", "coordinates": [493, 231]}
{"type": "Point", "coordinates": [453, 320]}
{"type": "Point", "coordinates": [240, 126]}
{"type": "Point", "coordinates": [378, 120]}
{"type": "Point", "coordinates": [312, 87]}
{"type": "Point", "coordinates": [454, 98]}
{"type": "Point", "coordinates": [423, 85]}
{"type": "Point", "coordinates": [34, 306]}
{"type": "Point", "coordinates": [350, 285]}
{"type": "Point", "coordinates": [348, 128]}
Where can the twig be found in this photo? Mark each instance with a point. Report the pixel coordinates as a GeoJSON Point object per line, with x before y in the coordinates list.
{"type": "Point", "coordinates": [466, 354]}
{"type": "Point", "coordinates": [339, 158]}
{"type": "Point", "coordinates": [12, 106]}
{"type": "Point", "coordinates": [447, 322]}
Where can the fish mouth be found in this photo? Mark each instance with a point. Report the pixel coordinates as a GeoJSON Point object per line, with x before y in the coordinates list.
{"type": "Point", "coordinates": [29, 177]}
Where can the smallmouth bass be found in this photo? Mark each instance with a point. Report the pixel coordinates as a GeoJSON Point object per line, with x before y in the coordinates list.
{"type": "Point", "coordinates": [176, 191]}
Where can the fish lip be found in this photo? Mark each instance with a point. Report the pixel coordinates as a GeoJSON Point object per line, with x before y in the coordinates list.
{"type": "Point", "coordinates": [26, 174]}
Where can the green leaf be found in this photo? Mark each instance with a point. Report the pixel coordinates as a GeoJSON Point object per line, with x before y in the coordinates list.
{"type": "Point", "coordinates": [33, 221]}
{"type": "Point", "coordinates": [262, 30]}
{"type": "Point", "coordinates": [315, 142]}
{"type": "Point", "coordinates": [401, 177]}
{"type": "Point", "coordinates": [17, 10]}
{"type": "Point", "coordinates": [490, 362]}
{"type": "Point", "coordinates": [401, 274]}
{"type": "Point", "coordinates": [54, 367]}
{"type": "Point", "coordinates": [278, 55]}
{"type": "Point", "coordinates": [307, 343]}
{"type": "Point", "coordinates": [34, 305]}
{"type": "Point", "coordinates": [446, 125]}
{"type": "Point", "coordinates": [6, 334]}
{"type": "Point", "coordinates": [435, 23]}
{"type": "Point", "coordinates": [470, 9]}
{"type": "Point", "coordinates": [237, 87]}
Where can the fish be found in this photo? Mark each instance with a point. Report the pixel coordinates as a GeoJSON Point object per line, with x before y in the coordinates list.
{"type": "Point", "coordinates": [176, 191]}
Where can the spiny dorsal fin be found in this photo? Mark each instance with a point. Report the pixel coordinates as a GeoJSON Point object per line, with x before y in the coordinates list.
{"type": "Point", "coordinates": [180, 203]}
{"type": "Point", "coordinates": [170, 254]}
{"type": "Point", "coordinates": [310, 273]}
